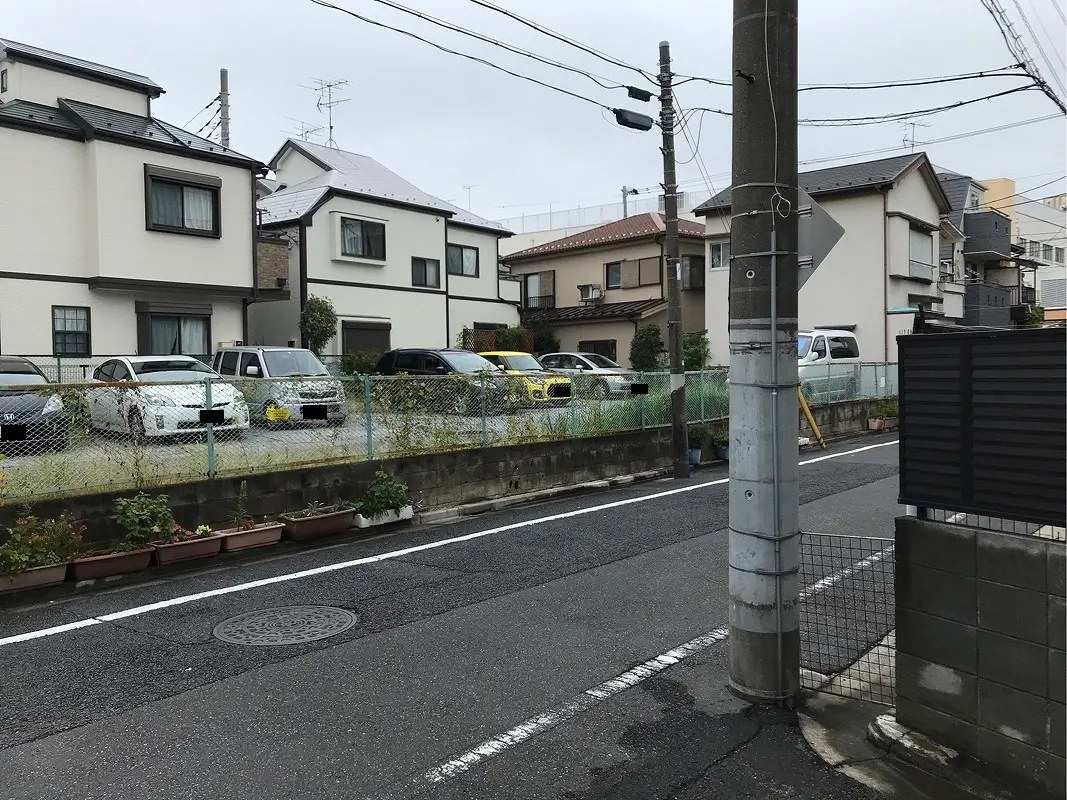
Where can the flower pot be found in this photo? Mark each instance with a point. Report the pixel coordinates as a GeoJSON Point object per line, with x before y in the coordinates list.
{"type": "Point", "coordinates": [91, 567]}
{"type": "Point", "coordinates": [694, 456]}
{"type": "Point", "coordinates": [171, 552]}
{"type": "Point", "coordinates": [406, 513]}
{"type": "Point", "coordinates": [722, 452]}
{"type": "Point", "coordinates": [883, 424]}
{"type": "Point", "coordinates": [299, 528]}
{"type": "Point", "coordinates": [234, 539]}
{"type": "Point", "coordinates": [33, 578]}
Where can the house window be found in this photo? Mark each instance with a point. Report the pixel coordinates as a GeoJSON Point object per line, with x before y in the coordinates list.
{"type": "Point", "coordinates": [426, 272]}
{"type": "Point", "coordinates": [462, 260]}
{"type": "Point", "coordinates": [1046, 252]}
{"type": "Point", "coordinates": [973, 199]}
{"type": "Point", "coordinates": [720, 255]}
{"type": "Point", "coordinates": [1022, 243]}
{"type": "Point", "coordinates": [70, 331]}
{"type": "Point", "coordinates": [538, 290]}
{"type": "Point", "coordinates": [921, 247]}
{"type": "Point", "coordinates": [178, 335]}
{"type": "Point", "coordinates": [692, 272]}
{"type": "Point", "coordinates": [3, 80]}
{"type": "Point", "coordinates": [613, 275]}
{"type": "Point", "coordinates": [602, 347]}
{"type": "Point", "coordinates": [362, 238]}
{"type": "Point", "coordinates": [1033, 249]}
{"type": "Point", "coordinates": [1059, 255]}
{"type": "Point", "coordinates": [182, 202]}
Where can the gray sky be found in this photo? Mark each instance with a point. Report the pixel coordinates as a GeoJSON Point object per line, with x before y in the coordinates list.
{"type": "Point", "coordinates": [443, 122]}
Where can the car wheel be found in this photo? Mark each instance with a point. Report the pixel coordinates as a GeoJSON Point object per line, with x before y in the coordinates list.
{"type": "Point", "coordinates": [136, 424]}
{"type": "Point", "coordinates": [599, 391]}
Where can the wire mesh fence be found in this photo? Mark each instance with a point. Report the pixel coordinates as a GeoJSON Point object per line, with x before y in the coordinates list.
{"type": "Point", "coordinates": [85, 435]}
{"type": "Point", "coordinates": [847, 616]}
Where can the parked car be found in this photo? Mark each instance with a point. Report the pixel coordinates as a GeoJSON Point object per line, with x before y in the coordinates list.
{"type": "Point", "coordinates": [828, 364]}
{"type": "Point", "coordinates": [606, 378]}
{"type": "Point", "coordinates": [282, 382]}
{"type": "Point", "coordinates": [160, 396]}
{"type": "Point", "coordinates": [29, 408]}
{"type": "Point", "coordinates": [541, 385]}
{"type": "Point", "coordinates": [472, 375]}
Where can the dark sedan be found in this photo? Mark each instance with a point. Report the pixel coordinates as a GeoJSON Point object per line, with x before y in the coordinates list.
{"type": "Point", "coordinates": [32, 417]}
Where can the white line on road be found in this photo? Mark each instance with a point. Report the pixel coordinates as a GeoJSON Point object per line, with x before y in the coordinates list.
{"type": "Point", "coordinates": [137, 611]}
{"type": "Point", "coordinates": [569, 709]}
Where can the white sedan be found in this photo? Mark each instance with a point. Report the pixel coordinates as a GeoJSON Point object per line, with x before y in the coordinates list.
{"type": "Point", "coordinates": [158, 396]}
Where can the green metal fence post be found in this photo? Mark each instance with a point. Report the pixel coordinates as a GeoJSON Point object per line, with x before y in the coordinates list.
{"type": "Point", "coordinates": [210, 435]}
{"type": "Point", "coordinates": [573, 405]}
{"type": "Point", "coordinates": [368, 420]}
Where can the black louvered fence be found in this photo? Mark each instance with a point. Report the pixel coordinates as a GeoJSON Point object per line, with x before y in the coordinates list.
{"type": "Point", "coordinates": [982, 428]}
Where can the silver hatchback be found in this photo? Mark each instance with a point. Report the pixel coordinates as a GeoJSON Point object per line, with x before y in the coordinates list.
{"type": "Point", "coordinates": [606, 378]}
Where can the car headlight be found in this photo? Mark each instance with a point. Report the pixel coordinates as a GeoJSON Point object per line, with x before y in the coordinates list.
{"type": "Point", "coordinates": [157, 399]}
{"type": "Point", "coordinates": [536, 382]}
{"type": "Point", "coordinates": [54, 404]}
{"type": "Point", "coordinates": [239, 399]}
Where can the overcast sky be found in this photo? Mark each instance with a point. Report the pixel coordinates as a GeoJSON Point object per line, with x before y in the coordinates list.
{"type": "Point", "coordinates": [445, 123]}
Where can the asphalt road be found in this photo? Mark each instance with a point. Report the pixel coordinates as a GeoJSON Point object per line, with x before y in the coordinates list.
{"type": "Point", "coordinates": [467, 674]}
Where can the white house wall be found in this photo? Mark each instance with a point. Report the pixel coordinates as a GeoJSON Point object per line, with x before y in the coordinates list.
{"type": "Point", "coordinates": [465, 313]}
{"type": "Point", "coordinates": [485, 285]}
{"type": "Point", "coordinates": [294, 168]}
{"type": "Point", "coordinates": [45, 86]}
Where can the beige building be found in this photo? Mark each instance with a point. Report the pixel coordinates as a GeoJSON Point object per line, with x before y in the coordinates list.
{"type": "Point", "coordinates": [595, 288]}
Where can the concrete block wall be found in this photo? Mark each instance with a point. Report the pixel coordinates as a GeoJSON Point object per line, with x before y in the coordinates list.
{"type": "Point", "coordinates": [981, 636]}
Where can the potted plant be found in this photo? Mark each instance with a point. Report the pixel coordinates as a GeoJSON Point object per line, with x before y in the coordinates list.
{"type": "Point", "coordinates": [697, 435]}
{"type": "Point", "coordinates": [721, 442]}
{"type": "Point", "coordinates": [146, 519]}
{"type": "Point", "coordinates": [37, 551]}
{"type": "Point", "coordinates": [884, 416]}
{"type": "Point", "coordinates": [183, 545]}
{"type": "Point", "coordinates": [245, 533]}
{"type": "Point", "coordinates": [386, 500]}
{"type": "Point", "coordinates": [318, 519]}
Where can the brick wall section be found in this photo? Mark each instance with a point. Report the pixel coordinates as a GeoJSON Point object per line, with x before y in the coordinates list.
{"type": "Point", "coordinates": [272, 256]}
{"type": "Point", "coordinates": [980, 645]}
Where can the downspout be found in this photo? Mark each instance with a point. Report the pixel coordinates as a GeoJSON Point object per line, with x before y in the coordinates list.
{"type": "Point", "coordinates": [302, 231]}
{"type": "Point", "coordinates": [448, 323]}
{"type": "Point", "coordinates": [885, 275]}
{"type": "Point", "coordinates": [255, 262]}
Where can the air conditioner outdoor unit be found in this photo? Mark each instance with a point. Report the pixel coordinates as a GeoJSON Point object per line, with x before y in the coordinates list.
{"type": "Point", "coordinates": [590, 293]}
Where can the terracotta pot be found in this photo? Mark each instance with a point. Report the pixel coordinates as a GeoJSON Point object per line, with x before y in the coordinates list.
{"type": "Point", "coordinates": [33, 578]}
{"type": "Point", "coordinates": [172, 552]}
{"type": "Point", "coordinates": [405, 513]}
{"type": "Point", "coordinates": [883, 423]}
{"type": "Point", "coordinates": [92, 567]}
{"type": "Point", "coordinates": [299, 528]}
{"type": "Point", "coordinates": [234, 539]}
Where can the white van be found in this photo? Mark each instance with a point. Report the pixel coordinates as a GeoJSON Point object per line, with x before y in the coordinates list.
{"type": "Point", "coordinates": [828, 363]}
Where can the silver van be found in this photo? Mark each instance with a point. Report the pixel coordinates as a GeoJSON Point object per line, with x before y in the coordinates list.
{"type": "Point", "coordinates": [828, 363]}
{"type": "Point", "coordinates": [284, 384]}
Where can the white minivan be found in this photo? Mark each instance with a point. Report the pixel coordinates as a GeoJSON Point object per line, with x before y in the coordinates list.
{"type": "Point", "coordinates": [828, 363]}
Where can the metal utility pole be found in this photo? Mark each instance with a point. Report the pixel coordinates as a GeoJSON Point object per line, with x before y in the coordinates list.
{"type": "Point", "coordinates": [680, 448]}
{"type": "Point", "coordinates": [626, 192]}
{"type": "Point", "coordinates": [764, 512]}
{"type": "Point", "coordinates": [224, 107]}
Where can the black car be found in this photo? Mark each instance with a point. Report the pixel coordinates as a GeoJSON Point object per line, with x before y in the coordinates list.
{"type": "Point", "coordinates": [32, 417]}
{"type": "Point", "coordinates": [471, 375]}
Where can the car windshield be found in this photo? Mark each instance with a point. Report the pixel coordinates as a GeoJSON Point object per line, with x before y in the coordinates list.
{"type": "Point", "coordinates": [293, 364]}
{"type": "Point", "coordinates": [523, 363]}
{"type": "Point", "coordinates": [469, 363]}
{"type": "Point", "coordinates": [803, 345]}
{"type": "Point", "coordinates": [21, 379]}
{"type": "Point", "coordinates": [166, 370]}
{"type": "Point", "coordinates": [600, 361]}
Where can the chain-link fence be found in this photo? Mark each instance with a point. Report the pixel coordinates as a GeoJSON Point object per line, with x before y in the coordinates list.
{"type": "Point", "coordinates": [77, 436]}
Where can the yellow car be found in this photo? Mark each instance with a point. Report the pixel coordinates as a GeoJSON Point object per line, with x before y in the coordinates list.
{"type": "Point", "coordinates": [542, 385]}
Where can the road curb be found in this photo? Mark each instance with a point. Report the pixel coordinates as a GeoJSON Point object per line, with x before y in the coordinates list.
{"type": "Point", "coordinates": [916, 748]}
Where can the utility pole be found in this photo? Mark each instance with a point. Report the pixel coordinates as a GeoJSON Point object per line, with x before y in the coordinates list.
{"type": "Point", "coordinates": [764, 512]}
{"type": "Point", "coordinates": [679, 432]}
{"type": "Point", "coordinates": [626, 192]}
{"type": "Point", "coordinates": [224, 107]}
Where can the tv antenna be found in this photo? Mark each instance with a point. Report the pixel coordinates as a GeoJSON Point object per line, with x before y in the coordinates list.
{"type": "Point", "coordinates": [326, 90]}
{"type": "Point", "coordinates": [304, 130]}
{"type": "Point", "coordinates": [910, 140]}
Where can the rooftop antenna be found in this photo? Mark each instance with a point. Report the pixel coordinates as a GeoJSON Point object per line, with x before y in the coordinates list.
{"type": "Point", "coordinates": [304, 131]}
{"type": "Point", "coordinates": [910, 141]}
{"type": "Point", "coordinates": [326, 90]}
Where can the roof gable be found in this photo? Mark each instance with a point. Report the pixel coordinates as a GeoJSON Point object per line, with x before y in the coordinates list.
{"type": "Point", "coordinates": [628, 229]}
{"type": "Point", "coordinates": [79, 66]}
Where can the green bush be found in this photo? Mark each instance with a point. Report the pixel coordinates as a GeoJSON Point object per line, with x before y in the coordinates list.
{"type": "Point", "coordinates": [383, 494]}
{"type": "Point", "coordinates": [361, 362]}
{"type": "Point", "coordinates": [646, 348]}
{"type": "Point", "coordinates": [514, 338]}
{"type": "Point", "coordinates": [885, 410]}
{"type": "Point", "coordinates": [318, 322]}
{"type": "Point", "coordinates": [544, 341]}
{"type": "Point", "coordinates": [146, 519]}
{"type": "Point", "coordinates": [695, 351]}
{"type": "Point", "coordinates": [35, 542]}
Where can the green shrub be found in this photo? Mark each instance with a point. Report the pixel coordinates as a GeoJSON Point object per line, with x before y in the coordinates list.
{"type": "Point", "coordinates": [544, 341]}
{"type": "Point", "coordinates": [695, 351]}
{"type": "Point", "coordinates": [361, 362]}
{"type": "Point", "coordinates": [146, 519]}
{"type": "Point", "coordinates": [885, 410]}
{"type": "Point", "coordinates": [646, 348]}
{"type": "Point", "coordinates": [514, 338]}
{"type": "Point", "coordinates": [318, 322]}
{"type": "Point", "coordinates": [35, 542]}
{"type": "Point", "coordinates": [383, 494]}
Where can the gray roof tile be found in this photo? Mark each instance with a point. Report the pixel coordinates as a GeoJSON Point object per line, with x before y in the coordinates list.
{"type": "Point", "coordinates": [100, 71]}
{"type": "Point", "coordinates": [34, 113]}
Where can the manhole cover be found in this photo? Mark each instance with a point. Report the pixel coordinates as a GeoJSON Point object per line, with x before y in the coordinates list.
{"type": "Point", "coordinates": [285, 625]}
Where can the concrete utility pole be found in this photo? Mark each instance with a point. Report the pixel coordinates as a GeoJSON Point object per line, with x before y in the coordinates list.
{"type": "Point", "coordinates": [224, 107]}
{"type": "Point", "coordinates": [626, 192]}
{"type": "Point", "coordinates": [764, 512]}
{"type": "Point", "coordinates": [673, 266]}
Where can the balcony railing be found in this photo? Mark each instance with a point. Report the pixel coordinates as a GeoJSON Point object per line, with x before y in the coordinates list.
{"type": "Point", "coordinates": [920, 271]}
{"type": "Point", "coordinates": [539, 302]}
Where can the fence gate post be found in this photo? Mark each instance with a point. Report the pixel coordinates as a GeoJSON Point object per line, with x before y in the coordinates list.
{"type": "Point", "coordinates": [368, 420]}
{"type": "Point", "coordinates": [210, 435]}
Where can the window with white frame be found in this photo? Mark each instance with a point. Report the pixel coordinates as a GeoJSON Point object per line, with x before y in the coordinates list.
{"type": "Point", "coordinates": [1059, 255]}
{"type": "Point", "coordinates": [362, 238]}
{"type": "Point", "coordinates": [426, 272]}
{"type": "Point", "coordinates": [462, 260]}
{"type": "Point", "coordinates": [720, 255]}
{"type": "Point", "coordinates": [182, 202]}
{"type": "Point", "coordinates": [921, 247]}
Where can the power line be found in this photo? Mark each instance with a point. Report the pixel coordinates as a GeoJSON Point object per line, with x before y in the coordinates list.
{"type": "Point", "coordinates": [450, 51]}
{"type": "Point", "coordinates": [566, 39]}
{"type": "Point", "coordinates": [896, 117]}
{"type": "Point", "coordinates": [1040, 48]}
{"type": "Point", "coordinates": [1000, 72]}
{"type": "Point", "coordinates": [215, 116]}
{"type": "Point", "coordinates": [1056, 5]}
{"type": "Point", "coordinates": [192, 119]}
{"type": "Point", "coordinates": [1018, 50]}
{"type": "Point", "coordinates": [1026, 191]}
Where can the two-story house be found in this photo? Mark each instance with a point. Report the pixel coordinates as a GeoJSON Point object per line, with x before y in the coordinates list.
{"type": "Point", "coordinates": [595, 288]}
{"type": "Point", "coordinates": [892, 211]}
{"type": "Point", "coordinates": [119, 233]}
{"type": "Point", "coordinates": [401, 267]}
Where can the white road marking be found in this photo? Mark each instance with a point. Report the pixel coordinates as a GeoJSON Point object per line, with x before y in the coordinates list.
{"type": "Point", "coordinates": [571, 708]}
{"type": "Point", "coordinates": [137, 611]}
